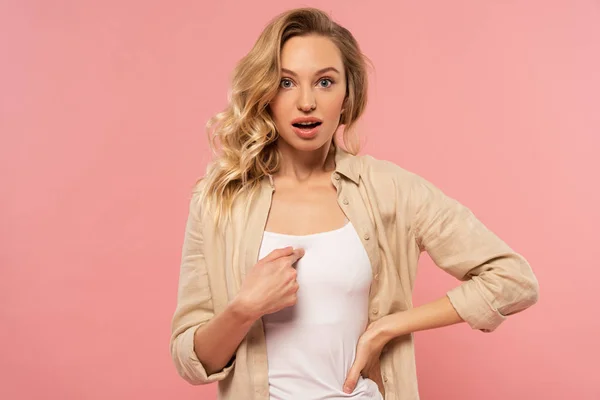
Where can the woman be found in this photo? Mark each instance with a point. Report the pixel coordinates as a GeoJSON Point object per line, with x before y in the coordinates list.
{"type": "Point", "coordinates": [299, 256]}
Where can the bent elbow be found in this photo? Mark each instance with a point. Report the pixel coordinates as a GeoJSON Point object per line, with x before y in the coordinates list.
{"type": "Point", "coordinates": [533, 294]}
{"type": "Point", "coordinates": [187, 364]}
{"type": "Point", "coordinates": [185, 360]}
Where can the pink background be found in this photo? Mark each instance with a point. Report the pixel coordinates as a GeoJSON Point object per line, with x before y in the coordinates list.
{"type": "Point", "coordinates": [102, 109]}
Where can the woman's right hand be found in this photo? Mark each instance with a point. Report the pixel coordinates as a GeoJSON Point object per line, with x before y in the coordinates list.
{"type": "Point", "coordinates": [270, 285]}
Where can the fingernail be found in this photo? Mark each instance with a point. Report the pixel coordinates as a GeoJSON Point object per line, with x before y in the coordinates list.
{"type": "Point", "coordinates": [347, 389]}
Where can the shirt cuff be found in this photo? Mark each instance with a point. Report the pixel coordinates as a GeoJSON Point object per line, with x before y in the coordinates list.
{"type": "Point", "coordinates": [192, 369]}
{"type": "Point", "coordinates": [474, 308]}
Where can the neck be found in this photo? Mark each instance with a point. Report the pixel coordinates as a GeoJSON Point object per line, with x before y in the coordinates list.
{"type": "Point", "coordinates": [302, 166]}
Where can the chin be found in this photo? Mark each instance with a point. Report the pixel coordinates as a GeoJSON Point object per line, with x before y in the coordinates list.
{"type": "Point", "coordinates": [313, 144]}
{"type": "Point", "coordinates": [306, 144]}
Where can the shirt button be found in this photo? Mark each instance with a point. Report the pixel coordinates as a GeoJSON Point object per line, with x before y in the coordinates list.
{"type": "Point", "coordinates": [374, 311]}
{"type": "Point", "coordinates": [336, 177]}
{"type": "Point", "coordinates": [366, 236]}
{"type": "Point", "coordinates": [376, 277]}
{"type": "Point", "coordinates": [385, 378]}
{"type": "Point", "coordinates": [346, 202]}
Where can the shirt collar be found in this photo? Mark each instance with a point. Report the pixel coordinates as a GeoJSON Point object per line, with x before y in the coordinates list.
{"type": "Point", "coordinates": [346, 164]}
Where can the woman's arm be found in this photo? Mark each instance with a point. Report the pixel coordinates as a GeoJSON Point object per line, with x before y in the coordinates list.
{"type": "Point", "coordinates": [194, 303]}
{"type": "Point", "coordinates": [436, 314]}
{"type": "Point", "coordinates": [203, 344]}
{"type": "Point", "coordinates": [215, 342]}
{"type": "Point", "coordinates": [497, 281]}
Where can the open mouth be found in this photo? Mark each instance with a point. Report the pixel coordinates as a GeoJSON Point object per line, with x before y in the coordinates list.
{"type": "Point", "coordinates": [304, 125]}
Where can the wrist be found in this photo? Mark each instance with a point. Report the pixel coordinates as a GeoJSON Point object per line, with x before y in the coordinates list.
{"type": "Point", "coordinates": [242, 312]}
{"type": "Point", "coordinates": [392, 326]}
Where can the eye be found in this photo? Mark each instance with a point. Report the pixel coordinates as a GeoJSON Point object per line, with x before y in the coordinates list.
{"type": "Point", "coordinates": [285, 83]}
{"type": "Point", "coordinates": [325, 82]}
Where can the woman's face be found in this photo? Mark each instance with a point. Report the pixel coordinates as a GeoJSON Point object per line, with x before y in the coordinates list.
{"type": "Point", "coordinates": [308, 104]}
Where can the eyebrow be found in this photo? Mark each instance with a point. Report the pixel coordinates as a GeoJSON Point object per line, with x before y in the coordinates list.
{"type": "Point", "coordinates": [319, 72]}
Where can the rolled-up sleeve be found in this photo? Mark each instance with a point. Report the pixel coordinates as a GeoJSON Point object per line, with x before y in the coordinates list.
{"type": "Point", "coordinates": [497, 281]}
{"type": "Point", "coordinates": [194, 303]}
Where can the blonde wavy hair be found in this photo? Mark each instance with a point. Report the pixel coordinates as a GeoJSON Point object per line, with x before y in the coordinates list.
{"type": "Point", "coordinates": [245, 131]}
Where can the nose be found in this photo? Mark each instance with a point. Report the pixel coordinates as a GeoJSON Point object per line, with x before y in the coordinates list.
{"type": "Point", "coordinates": [306, 100]}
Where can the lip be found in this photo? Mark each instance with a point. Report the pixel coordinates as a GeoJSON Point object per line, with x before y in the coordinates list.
{"type": "Point", "coordinates": [306, 133]}
{"type": "Point", "coordinates": [306, 119]}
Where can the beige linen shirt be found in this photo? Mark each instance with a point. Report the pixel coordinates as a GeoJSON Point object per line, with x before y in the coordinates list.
{"type": "Point", "coordinates": [397, 215]}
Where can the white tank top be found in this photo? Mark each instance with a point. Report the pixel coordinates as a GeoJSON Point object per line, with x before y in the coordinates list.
{"type": "Point", "coordinates": [312, 345]}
